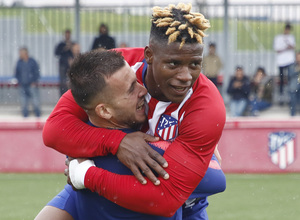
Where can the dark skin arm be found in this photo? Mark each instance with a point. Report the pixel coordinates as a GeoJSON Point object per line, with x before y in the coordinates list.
{"type": "Point", "coordinates": [138, 156]}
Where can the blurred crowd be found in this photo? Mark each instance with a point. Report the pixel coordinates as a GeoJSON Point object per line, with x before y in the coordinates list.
{"type": "Point", "coordinates": [249, 93]}
{"type": "Point", "coordinates": [252, 93]}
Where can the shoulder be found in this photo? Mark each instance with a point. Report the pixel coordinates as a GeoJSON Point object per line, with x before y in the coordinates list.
{"type": "Point", "coordinates": [279, 37]}
{"type": "Point", "coordinates": [32, 60]}
{"type": "Point", "coordinates": [96, 38]}
{"type": "Point", "coordinates": [61, 44]}
{"type": "Point", "coordinates": [205, 94]}
{"type": "Point", "coordinates": [132, 55]}
{"type": "Point", "coordinates": [246, 78]}
{"type": "Point", "coordinates": [204, 114]}
{"type": "Point", "coordinates": [292, 37]}
{"type": "Point", "coordinates": [204, 85]}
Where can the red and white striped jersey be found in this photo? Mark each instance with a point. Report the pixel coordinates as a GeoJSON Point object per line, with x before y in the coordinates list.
{"type": "Point", "coordinates": [194, 125]}
{"type": "Point", "coordinates": [163, 117]}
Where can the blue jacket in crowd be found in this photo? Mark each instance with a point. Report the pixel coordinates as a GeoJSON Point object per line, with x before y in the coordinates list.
{"type": "Point", "coordinates": [239, 93]}
{"type": "Point", "coordinates": [27, 72]}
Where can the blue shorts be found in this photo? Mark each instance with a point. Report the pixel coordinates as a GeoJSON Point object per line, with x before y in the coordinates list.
{"type": "Point", "coordinates": [195, 210]}
{"type": "Point", "coordinates": [66, 200]}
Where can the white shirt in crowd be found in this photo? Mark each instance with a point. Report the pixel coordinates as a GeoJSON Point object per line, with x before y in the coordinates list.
{"type": "Point", "coordinates": [285, 56]}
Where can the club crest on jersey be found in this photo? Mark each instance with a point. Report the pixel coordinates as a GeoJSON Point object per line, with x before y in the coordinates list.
{"type": "Point", "coordinates": [167, 127]}
{"type": "Point", "coordinates": [282, 148]}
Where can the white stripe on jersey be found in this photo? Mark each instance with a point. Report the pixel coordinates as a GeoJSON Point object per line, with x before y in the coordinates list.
{"type": "Point", "coordinates": [160, 109]}
{"type": "Point", "coordinates": [175, 113]}
{"type": "Point", "coordinates": [136, 66]}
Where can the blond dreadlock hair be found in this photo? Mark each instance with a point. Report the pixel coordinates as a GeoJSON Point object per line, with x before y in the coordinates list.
{"type": "Point", "coordinates": [178, 24]}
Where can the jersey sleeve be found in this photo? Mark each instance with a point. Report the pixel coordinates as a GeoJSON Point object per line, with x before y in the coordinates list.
{"type": "Point", "coordinates": [188, 157]}
{"type": "Point", "coordinates": [213, 182]}
{"type": "Point", "coordinates": [67, 132]}
{"type": "Point", "coordinates": [126, 191]}
{"type": "Point", "coordinates": [201, 128]}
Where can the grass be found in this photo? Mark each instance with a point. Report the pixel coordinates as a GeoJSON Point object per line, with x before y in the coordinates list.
{"type": "Point", "coordinates": [255, 197]}
{"type": "Point", "coordinates": [22, 196]}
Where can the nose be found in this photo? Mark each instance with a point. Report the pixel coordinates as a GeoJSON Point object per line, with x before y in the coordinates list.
{"type": "Point", "coordinates": [184, 75]}
{"type": "Point", "coordinates": [142, 90]}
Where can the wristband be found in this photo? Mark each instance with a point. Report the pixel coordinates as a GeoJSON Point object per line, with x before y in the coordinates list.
{"type": "Point", "coordinates": [77, 172]}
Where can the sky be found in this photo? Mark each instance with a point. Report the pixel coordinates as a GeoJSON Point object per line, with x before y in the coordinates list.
{"type": "Point", "coordinates": [135, 2]}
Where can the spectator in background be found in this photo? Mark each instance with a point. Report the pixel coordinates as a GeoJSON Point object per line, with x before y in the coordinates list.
{"type": "Point", "coordinates": [239, 89]}
{"type": "Point", "coordinates": [261, 92]}
{"type": "Point", "coordinates": [103, 40]}
{"type": "Point", "coordinates": [212, 64]}
{"type": "Point", "coordinates": [294, 85]}
{"type": "Point", "coordinates": [284, 45]}
{"type": "Point", "coordinates": [27, 74]}
{"type": "Point", "coordinates": [123, 45]}
{"type": "Point", "coordinates": [75, 52]}
{"type": "Point", "coordinates": [64, 52]}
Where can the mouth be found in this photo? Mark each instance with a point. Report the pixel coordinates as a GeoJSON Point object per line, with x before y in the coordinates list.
{"type": "Point", "coordinates": [180, 90]}
{"type": "Point", "coordinates": [141, 105]}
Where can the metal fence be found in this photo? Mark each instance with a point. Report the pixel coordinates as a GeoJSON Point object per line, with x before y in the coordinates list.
{"type": "Point", "coordinates": [250, 33]}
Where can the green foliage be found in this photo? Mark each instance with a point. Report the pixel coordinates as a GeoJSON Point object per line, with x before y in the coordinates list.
{"type": "Point", "coordinates": [58, 19]}
{"type": "Point", "coordinates": [247, 34]}
{"type": "Point", "coordinates": [259, 35]}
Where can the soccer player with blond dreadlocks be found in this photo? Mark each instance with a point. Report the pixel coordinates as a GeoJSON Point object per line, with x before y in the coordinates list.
{"type": "Point", "coordinates": [184, 108]}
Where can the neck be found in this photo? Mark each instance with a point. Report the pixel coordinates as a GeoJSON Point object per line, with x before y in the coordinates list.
{"type": "Point", "coordinates": [104, 123]}
{"type": "Point", "coordinates": [152, 87]}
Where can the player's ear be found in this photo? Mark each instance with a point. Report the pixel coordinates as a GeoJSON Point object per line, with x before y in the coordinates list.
{"type": "Point", "coordinates": [103, 111]}
{"type": "Point", "coordinates": [148, 54]}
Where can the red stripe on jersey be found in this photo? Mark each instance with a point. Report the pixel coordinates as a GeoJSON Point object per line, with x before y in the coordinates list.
{"type": "Point", "coordinates": [161, 144]}
{"type": "Point", "coordinates": [132, 55]}
{"type": "Point", "coordinates": [152, 103]}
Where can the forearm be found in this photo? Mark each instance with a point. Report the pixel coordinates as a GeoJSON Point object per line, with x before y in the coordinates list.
{"type": "Point", "coordinates": [162, 200]}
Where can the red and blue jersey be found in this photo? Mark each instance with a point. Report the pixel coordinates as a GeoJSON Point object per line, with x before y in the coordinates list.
{"type": "Point", "coordinates": [92, 206]}
{"type": "Point", "coordinates": [84, 204]}
{"type": "Point", "coordinates": [193, 127]}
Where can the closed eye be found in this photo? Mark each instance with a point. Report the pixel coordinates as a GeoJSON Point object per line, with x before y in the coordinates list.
{"type": "Point", "coordinates": [132, 86]}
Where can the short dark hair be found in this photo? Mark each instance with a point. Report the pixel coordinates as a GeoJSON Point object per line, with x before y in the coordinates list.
{"type": "Point", "coordinates": [239, 67]}
{"type": "Point", "coordinates": [212, 44]}
{"type": "Point", "coordinates": [102, 25]}
{"type": "Point", "coordinates": [88, 73]}
{"type": "Point", "coordinates": [23, 48]}
{"type": "Point", "coordinates": [178, 24]}
{"type": "Point", "coordinates": [288, 26]}
{"type": "Point", "coordinates": [261, 69]}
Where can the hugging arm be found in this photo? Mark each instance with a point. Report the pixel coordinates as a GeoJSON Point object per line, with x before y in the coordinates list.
{"type": "Point", "coordinates": [67, 132]}
{"type": "Point", "coordinates": [188, 158]}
